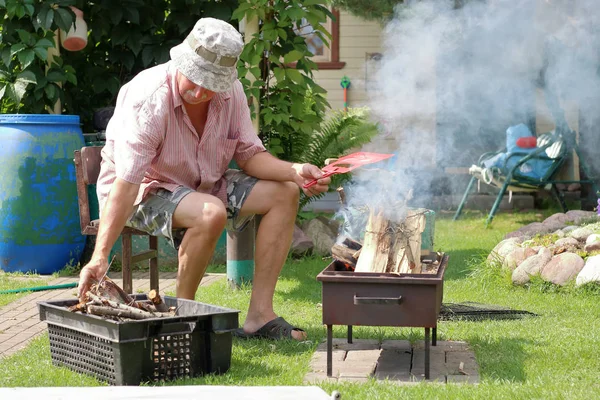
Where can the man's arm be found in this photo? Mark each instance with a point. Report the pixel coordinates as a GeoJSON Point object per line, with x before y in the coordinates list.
{"type": "Point", "coordinates": [263, 165]}
{"type": "Point", "coordinates": [118, 208]}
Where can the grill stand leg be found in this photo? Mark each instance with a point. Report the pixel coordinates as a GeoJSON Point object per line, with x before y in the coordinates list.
{"type": "Point", "coordinates": [350, 334]}
{"type": "Point", "coordinates": [329, 350]}
{"type": "Point", "coordinates": [434, 336]}
{"type": "Point", "coordinates": [427, 352]}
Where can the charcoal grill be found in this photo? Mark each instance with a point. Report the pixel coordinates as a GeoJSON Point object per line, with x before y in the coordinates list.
{"type": "Point", "coordinates": [382, 299]}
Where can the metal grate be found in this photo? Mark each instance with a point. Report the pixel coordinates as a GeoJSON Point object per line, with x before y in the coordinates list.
{"type": "Point", "coordinates": [171, 357]}
{"type": "Point", "coordinates": [470, 311]}
{"type": "Point", "coordinates": [82, 352]}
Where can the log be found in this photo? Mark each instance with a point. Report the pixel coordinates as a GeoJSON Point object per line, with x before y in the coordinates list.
{"type": "Point", "coordinates": [344, 254]}
{"type": "Point", "coordinates": [376, 247]}
{"type": "Point", "coordinates": [155, 298]}
{"type": "Point", "coordinates": [408, 257]}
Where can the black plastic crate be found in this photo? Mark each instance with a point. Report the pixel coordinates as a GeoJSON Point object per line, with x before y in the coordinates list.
{"type": "Point", "coordinates": [195, 342]}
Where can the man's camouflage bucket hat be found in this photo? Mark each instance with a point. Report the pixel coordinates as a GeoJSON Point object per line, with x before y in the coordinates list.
{"type": "Point", "coordinates": [209, 55]}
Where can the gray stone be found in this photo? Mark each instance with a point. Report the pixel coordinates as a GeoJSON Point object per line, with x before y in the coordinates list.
{"type": "Point", "coordinates": [531, 266]}
{"type": "Point", "coordinates": [560, 233]}
{"type": "Point", "coordinates": [578, 216]}
{"type": "Point", "coordinates": [590, 272]}
{"type": "Point", "coordinates": [569, 228]}
{"type": "Point", "coordinates": [568, 241]}
{"type": "Point", "coordinates": [558, 217]}
{"type": "Point", "coordinates": [321, 235]}
{"type": "Point", "coordinates": [301, 243]}
{"type": "Point", "coordinates": [562, 268]}
{"type": "Point", "coordinates": [503, 248]}
{"type": "Point", "coordinates": [581, 234]}
{"type": "Point", "coordinates": [593, 238]}
{"type": "Point", "coordinates": [517, 256]}
{"type": "Point", "coordinates": [592, 247]}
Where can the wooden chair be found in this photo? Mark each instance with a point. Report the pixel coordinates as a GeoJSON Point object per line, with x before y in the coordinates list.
{"type": "Point", "coordinates": [87, 169]}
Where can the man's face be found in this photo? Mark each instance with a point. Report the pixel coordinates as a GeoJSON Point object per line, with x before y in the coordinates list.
{"type": "Point", "coordinates": [192, 93]}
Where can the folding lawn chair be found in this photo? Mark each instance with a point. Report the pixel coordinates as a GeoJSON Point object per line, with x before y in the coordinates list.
{"type": "Point", "coordinates": [529, 170]}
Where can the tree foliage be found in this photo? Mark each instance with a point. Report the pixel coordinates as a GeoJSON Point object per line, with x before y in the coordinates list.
{"type": "Point", "coordinates": [292, 104]}
{"type": "Point", "coordinates": [125, 37]}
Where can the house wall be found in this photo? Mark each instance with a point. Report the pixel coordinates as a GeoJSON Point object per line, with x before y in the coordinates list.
{"type": "Point", "coordinates": [357, 38]}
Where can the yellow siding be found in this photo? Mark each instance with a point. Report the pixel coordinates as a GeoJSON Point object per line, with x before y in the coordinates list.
{"type": "Point", "coordinates": [357, 37]}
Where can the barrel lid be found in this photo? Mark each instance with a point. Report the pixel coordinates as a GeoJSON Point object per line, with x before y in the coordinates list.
{"type": "Point", "coordinates": [38, 119]}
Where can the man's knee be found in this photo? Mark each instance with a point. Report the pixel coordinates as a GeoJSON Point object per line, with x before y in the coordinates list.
{"type": "Point", "coordinates": [290, 192]}
{"type": "Point", "coordinates": [214, 216]}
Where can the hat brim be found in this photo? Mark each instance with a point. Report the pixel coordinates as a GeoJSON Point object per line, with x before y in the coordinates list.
{"type": "Point", "coordinates": [202, 73]}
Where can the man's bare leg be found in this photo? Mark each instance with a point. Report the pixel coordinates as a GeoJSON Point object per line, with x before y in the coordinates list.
{"type": "Point", "coordinates": [277, 202]}
{"type": "Point", "coordinates": [205, 217]}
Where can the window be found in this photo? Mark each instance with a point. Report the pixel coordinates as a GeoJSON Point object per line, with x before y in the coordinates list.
{"type": "Point", "coordinates": [326, 57]}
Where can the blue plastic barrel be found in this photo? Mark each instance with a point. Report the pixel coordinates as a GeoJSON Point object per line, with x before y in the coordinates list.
{"type": "Point", "coordinates": [39, 217]}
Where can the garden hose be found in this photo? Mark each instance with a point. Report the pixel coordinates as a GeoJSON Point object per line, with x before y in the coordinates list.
{"type": "Point", "coordinates": [39, 288]}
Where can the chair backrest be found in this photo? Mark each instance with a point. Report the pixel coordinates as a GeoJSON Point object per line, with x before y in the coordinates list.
{"type": "Point", "coordinates": [87, 169]}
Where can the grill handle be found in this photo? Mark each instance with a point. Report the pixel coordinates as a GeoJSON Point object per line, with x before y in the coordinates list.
{"type": "Point", "coordinates": [377, 300]}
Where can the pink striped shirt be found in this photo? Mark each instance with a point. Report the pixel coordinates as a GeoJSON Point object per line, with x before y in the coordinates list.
{"type": "Point", "coordinates": [150, 139]}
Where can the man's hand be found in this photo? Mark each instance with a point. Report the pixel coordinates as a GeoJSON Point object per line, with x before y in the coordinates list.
{"type": "Point", "coordinates": [308, 172]}
{"type": "Point", "coordinates": [90, 274]}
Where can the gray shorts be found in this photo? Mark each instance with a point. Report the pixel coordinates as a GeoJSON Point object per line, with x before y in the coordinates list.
{"type": "Point", "coordinates": [154, 215]}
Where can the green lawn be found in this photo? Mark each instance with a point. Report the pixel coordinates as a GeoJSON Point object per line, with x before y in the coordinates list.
{"type": "Point", "coordinates": [555, 355]}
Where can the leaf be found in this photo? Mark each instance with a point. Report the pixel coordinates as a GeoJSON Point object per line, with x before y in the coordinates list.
{"type": "Point", "coordinates": [134, 15]}
{"type": "Point", "coordinates": [26, 57]}
{"type": "Point", "coordinates": [29, 9]}
{"type": "Point", "coordinates": [50, 91]}
{"type": "Point", "coordinates": [56, 76]}
{"type": "Point", "coordinates": [116, 15]}
{"type": "Point", "coordinates": [45, 43]}
{"type": "Point", "coordinates": [27, 76]}
{"type": "Point", "coordinates": [20, 88]}
{"type": "Point", "coordinates": [292, 56]}
{"type": "Point", "coordinates": [63, 19]}
{"type": "Point", "coordinates": [45, 17]}
{"type": "Point", "coordinates": [24, 35]}
{"type": "Point", "coordinates": [147, 56]}
{"type": "Point", "coordinates": [256, 72]}
{"type": "Point", "coordinates": [294, 75]}
{"type": "Point", "coordinates": [41, 53]}
{"type": "Point", "coordinates": [6, 56]}
{"type": "Point", "coordinates": [16, 48]}
{"type": "Point", "coordinates": [2, 90]}
{"type": "Point", "coordinates": [279, 74]}
{"type": "Point", "coordinates": [313, 2]}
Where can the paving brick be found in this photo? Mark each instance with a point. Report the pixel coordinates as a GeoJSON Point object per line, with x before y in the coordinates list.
{"type": "Point", "coordinates": [453, 360]}
{"type": "Point", "coordinates": [444, 345]}
{"type": "Point", "coordinates": [354, 369]}
{"type": "Point", "coordinates": [393, 363]}
{"type": "Point", "coordinates": [437, 363]}
{"type": "Point", "coordinates": [321, 356]}
{"type": "Point", "coordinates": [357, 344]}
{"type": "Point", "coordinates": [396, 345]}
{"type": "Point", "coordinates": [363, 356]}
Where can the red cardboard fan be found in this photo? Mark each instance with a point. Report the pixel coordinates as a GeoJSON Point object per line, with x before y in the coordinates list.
{"type": "Point", "coordinates": [348, 163]}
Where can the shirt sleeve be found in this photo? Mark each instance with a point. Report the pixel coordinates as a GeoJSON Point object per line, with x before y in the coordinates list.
{"type": "Point", "coordinates": [137, 135]}
{"type": "Point", "coordinates": [248, 143]}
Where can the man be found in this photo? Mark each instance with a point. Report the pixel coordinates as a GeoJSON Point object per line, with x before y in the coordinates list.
{"type": "Point", "coordinates": [175, 129]}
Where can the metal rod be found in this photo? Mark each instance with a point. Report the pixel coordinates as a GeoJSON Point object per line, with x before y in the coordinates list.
{"type": "Point", "coordinates": [434, 336]}
{"type": "Point", "coordinates": [427, 352]}
{"type": "Point", "coordinates": [329, 350]}
{"type": "Point", "coordinates": [350, 334]}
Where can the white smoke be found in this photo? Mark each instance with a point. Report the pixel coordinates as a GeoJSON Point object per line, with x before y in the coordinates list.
{"type": "Point", "coordinates": [453, 79]}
